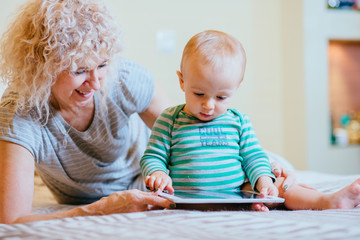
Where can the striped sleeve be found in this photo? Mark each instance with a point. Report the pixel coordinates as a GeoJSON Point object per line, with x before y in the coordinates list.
{"type": "Point", "coordinates": [157, 154]}
{"type": "Point", "coordinates": [255, 160]}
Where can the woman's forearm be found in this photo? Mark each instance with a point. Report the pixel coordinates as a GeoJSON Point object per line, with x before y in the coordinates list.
{"type": "Point", "coordinates": [75, 212]}
{"type": "Point", "coordinates": [118, 202]}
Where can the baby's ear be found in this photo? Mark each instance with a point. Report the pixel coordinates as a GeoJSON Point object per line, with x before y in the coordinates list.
{"type": "Point", "coordinates": [181, 80]}
{"type": "Point", "coordinates": [179, 74]}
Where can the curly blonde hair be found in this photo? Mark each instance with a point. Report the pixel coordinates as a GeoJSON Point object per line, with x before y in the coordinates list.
{"type": "Point", "coordinates": [47, 37]}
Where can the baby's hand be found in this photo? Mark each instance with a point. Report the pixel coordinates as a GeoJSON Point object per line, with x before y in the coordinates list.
{"type": "Point", "coordinates": [159, 181]}
{"type": "Point", "coordinates": [266, 186]}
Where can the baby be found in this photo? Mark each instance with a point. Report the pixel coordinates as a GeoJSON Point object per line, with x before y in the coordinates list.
{"type": "Point", "coordinates": [205, 145]}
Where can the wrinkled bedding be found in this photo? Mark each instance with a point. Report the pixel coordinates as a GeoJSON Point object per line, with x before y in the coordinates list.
{"type": "Point", "coordinates": [193, 224]}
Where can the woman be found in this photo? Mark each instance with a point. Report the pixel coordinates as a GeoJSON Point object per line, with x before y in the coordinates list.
{"type": "Point", "coordinates": [71, 111]}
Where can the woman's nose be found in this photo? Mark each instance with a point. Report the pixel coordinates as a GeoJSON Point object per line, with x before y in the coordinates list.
{"type": "Point", "coordinates": [94, 80]}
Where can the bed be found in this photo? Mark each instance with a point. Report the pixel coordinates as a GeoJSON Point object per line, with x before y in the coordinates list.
{"type": "Point", "coordinates": [195, 224]}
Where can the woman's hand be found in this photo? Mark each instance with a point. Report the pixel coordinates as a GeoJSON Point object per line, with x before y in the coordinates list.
{"type": "Point", "coordinates": [159, 181]}
{"type": "Point", "coordinates": [279, 171]}
{"type": "Point", "coordinates": [127, 201]}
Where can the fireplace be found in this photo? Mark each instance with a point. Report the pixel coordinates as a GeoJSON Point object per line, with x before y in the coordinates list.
{"type": "Point", "coordinates": [344, 91]}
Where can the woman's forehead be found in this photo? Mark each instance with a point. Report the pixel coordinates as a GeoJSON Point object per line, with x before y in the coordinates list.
{"type": "Point", "coordinates": [90, 62]}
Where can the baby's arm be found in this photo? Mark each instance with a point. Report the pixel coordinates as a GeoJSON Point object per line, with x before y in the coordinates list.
{"type": "Point", "coordinates": [266, 186]}
{"type": "Point", "coordinates": [159, 181]}
{"type": "Point", "coordinates": [154, 163]}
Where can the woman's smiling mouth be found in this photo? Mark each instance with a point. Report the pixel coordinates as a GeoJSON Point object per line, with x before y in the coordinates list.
{"type": "Point", "coordinates": [84, 94]}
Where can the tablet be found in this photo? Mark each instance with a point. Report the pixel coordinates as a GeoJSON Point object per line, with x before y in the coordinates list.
{"type": "Point", "coordinates": [216, 197]}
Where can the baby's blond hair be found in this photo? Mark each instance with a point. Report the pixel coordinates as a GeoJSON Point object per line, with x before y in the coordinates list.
{"type": "Point", "coordinates": [215, 48]}
{"type": "Point", "coordinates": [47, 37]}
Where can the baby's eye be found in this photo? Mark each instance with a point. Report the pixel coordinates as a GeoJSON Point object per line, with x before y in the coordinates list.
{"type": "Point", "coordinates": [221, 97]}
{"type": "Point", "coordinates": [199, 94]}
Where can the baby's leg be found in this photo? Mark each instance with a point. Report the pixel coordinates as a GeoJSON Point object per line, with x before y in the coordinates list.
{"type": "Point", "coordinates": [299, 197]}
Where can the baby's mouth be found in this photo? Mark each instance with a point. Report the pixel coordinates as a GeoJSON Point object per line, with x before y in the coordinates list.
{"type": "Point", "coordinates": [205, 114]}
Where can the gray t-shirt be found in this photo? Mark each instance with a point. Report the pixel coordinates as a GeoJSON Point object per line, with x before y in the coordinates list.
{"type": "Point", "coordinates": [81, 167]}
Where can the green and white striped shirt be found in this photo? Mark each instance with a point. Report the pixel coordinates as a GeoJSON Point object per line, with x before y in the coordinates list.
{"type": "Point", "coordinates": [214, 155]}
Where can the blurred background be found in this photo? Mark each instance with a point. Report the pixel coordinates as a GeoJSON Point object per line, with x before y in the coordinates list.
{"type": "Point", "coordinates": [291, 83]}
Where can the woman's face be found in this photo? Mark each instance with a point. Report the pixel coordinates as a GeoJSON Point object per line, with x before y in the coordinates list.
{"type": "Point", "coordinates": [76, 89]}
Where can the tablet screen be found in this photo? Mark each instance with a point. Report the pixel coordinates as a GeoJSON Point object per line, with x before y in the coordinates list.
{"type": "Point", "coordinates": [200, 196]}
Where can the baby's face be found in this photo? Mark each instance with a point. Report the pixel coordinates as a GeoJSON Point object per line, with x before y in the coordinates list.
{"type": "Point", "coordinates": [208, 91]}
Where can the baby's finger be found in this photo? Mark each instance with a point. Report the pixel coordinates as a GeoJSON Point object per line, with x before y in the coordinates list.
{"type": "Point", "coordinates": [274, 191]}
{"type": "Point", "coordinates": [158, 184]}
{"type": "Point", "coordinates": [169, 188]}
{"type": "Point", "coordinates": [264, 191]}
{"type": "Point", "coordinates": [147, 180]}
{"type": "Point", "coordinates": [163, 185]}
{"type": "Point", "coordinates": [150, 182]}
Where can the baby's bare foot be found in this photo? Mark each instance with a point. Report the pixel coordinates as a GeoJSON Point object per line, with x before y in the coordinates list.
{"type": "Point", "coordinates": [259, 207]}
{"type": "Point", "coordinates": [346, 198]}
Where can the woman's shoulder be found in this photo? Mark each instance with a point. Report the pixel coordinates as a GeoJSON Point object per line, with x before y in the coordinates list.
{"type": "Point", "coordinates": [127, 70]}
{"type": "Point", "coordinates": [9, 107]}
{"type": "Point", "coordinates": [22, 129]}
{"type": "Point", "coordinates": [129, 76]}
{"type": "Point", "coordinates": [8, 99]}
{"type": "Point", "coordinates": [11, 116]}
{"type": "Point", "coordinates": [130, 85]}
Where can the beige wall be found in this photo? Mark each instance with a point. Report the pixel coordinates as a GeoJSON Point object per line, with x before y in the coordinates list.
{"type": "Point", "coordinates": [257, 24]}
{"type": "Point", "coordinates": [293, 83]}
{"type": "Point", "coordinates": [277, 92]}
{"type": "Point", "coordinates": [320, 25]}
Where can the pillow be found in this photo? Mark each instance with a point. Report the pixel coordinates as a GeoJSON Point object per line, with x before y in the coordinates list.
{"type": "Point", "coordinates": [285, 163]}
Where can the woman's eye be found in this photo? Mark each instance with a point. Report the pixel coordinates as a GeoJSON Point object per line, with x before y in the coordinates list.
{"type": "Point", "coordinates": [80, 72]}
{"type": "Point", "coordinates": [199, 94]}
{"type": "Point", "coordinates": [221, 97]}
{"type": "Point", "coordinates": [102, 65]}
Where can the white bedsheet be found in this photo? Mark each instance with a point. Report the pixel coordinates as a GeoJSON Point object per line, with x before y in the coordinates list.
{"type": "Point", "coordinates": [190, 224]}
